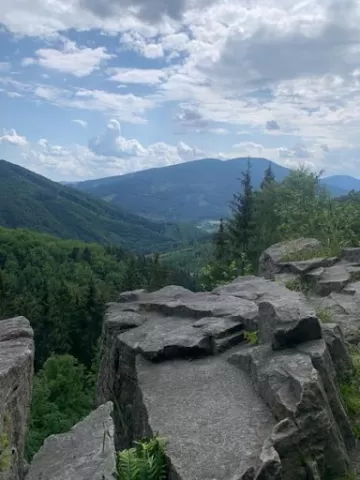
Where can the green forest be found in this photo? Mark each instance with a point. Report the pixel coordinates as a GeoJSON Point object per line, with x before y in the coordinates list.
{"type": "Point", "coordinates": [62, 286]}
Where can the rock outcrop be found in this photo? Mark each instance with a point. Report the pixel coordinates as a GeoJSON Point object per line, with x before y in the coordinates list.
{"type": "Point", "coordinates": [16, 374]}
{"type": "Point", "coordinates": [332, 285]}
{"type": "Point", "coordinates": [86, 452]}
{"type": "Point", "coordinates": [176, 362]}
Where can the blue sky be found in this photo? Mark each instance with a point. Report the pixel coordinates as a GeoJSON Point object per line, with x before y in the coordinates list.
{"type": "Point", "coordinates": [91, 88]}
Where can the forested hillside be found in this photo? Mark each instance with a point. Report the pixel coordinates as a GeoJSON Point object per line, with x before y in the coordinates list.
{"type": "Point", "coordinates": [62, 286]}
{"type": "Point", "coordinates": [28, 200]}
{"type": "Point", "coordinates": [193, 191]}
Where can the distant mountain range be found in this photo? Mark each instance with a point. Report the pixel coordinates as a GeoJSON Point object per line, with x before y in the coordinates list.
{"type": "Point", "coordinates": [28, 200]}
{"type": "Point", "coordinates": [194, 191]}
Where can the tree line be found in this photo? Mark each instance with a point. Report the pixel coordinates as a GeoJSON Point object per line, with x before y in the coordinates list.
{"type": "Point", "coordinates": [298, 206]}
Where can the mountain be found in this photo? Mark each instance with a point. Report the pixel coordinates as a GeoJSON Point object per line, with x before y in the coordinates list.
{"type": "Point", "coordinates": [192, 192]}
{"type": "Point", "coordinates": [28, 200]}
{"type": "Point", "coordinates": [345, 183]}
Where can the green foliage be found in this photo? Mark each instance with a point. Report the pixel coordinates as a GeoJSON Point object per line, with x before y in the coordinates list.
{"type": "Point", "coordinates": [350, 391]}
{"type": "Point", "coordinates": [62, 286]}
{"type": "Point", "coordinates": [217, 273]}
{"type": "Point", "coordinates": [28, 200]}
{"type": "Point", "coordinates": [324, 315]}
{"type": "Point", "coordinates": [252, 337]}
{"type": "Point", "coordinates": [298, 285]}
{"type": "Point", "coordinates": [145, 461]}
{"type": "Point", "coordinates": [62, 396]}
{"type": "Point", "coordinates": [5, 451]}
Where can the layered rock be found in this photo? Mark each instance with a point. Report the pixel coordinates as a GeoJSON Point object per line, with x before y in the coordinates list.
{"type": "Point", "coordinates": [86, 452]}
{"type": "Point", "coordinates": [16, 374]}
{"type": "Point", "coordinates": [332, 284]}
{"type": "Point", "coordinates": [175, 362]}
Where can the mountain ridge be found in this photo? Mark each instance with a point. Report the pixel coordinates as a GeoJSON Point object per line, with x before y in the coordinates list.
{"type": "Point", "coordinates": [29, 200]}
{"type": "Point", "coordinates": [193, 191]}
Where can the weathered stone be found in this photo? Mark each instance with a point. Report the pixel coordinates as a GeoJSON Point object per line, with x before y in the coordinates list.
{"type": "Point", "coordinates": [204, 406]}
{"type": "Point", "coordinates": [286, 278]}
{"type": "Point", "coordinates": [287, 321]}
{"type": "Point", "coordinates": [218, 327]}
{"type": "Point", "coordinates": [168, 374]}
{"type": "Point", "coordinates": [130, 296]}
{"type": "Point", "coordinates": [321, 360]}
{"type": "Point", "coordinates": [85, 452]}
{"type": "Point", "coordinates": [333, 279]}
{"type": "Point", "coordinates": [350, 255]}
{"type": "Point", "coordinates": [16, 372]}
{"type": "Point", "coordinates": [270, 258]}
{"type": "Point", "coordinates": [167, 338]}
{"type": "Point", "coordinates": [201, 305]}
{"type": "Point", "coordinates": [305, 266]}
{"type": "Point", "coordinates": [116, 321]}
{"type": "Point", "coordinates": [335, 342]}
{"type": "Point", "coordinates": [294, 391]}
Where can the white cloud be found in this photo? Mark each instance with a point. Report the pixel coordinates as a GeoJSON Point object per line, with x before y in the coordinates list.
{"type": "Point", "coordinates": [145, 76]}
{"type": "Point", "coordinates": [11, 137]}
{"type": "Point", "coordinates": [71, 59]}
{"type": "Point", "coordinates": [80, 122]}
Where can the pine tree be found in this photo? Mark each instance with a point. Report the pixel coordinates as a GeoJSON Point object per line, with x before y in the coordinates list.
{"type": "Point", "coordinates": [240, 225]}
{"type": "Point", "coordinates": [220, 242]}
{"type": "Point", "coordinates": [269, 177]}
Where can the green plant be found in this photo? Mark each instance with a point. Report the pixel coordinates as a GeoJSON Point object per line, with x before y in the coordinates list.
{"type": "Point", "coordinates": [298, 285]}
{"type": "Point", "coordinates": [350, 391]}
{"type": "Point", "coordinates": [5, 453]}
{"type": "Point", "coordinates": [145, 461]}
{"type": "Point", "coordinates": [252, 337]}
{"type": "Point", "coordinates": [324, 315]}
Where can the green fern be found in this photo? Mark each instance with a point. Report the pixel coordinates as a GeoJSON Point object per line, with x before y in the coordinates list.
{"type": "Point", "coordinates": [145, 461]}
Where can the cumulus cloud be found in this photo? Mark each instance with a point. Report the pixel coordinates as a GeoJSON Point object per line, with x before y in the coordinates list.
{"type": "Point", "coordinates": [11, 137]}
{"type": "Point", "coordinates": [112, 144]}
{"type": "Point", "coordinates": [77, 61]}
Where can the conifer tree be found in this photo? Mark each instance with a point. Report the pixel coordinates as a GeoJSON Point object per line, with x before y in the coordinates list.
{"type": "Point", "coordinates": [240, 225]}
{"type": "Point", "coordinates": [220, 242]}
{"type": "Point", "coordinates": [269, 177]}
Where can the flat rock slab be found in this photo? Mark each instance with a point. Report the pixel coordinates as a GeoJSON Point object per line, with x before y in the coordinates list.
{"type": "Point", "coordinates": [210, 413]}
{"type": "Point", "coordinates": [333, 279]}
{"type": "Point", "coordinates": [85, 453]}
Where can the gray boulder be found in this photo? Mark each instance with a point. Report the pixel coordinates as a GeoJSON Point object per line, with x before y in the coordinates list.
{"type": "Point", "coordinates": [272, 258]}
{"type": "Point", "coordinates": [16, 374]}
{"type": "Point", "coordinates": [294, 390]}
{"type": "Point", "coordinates": [85, 453]}
{"type": "Point", "coordinates": [287, 321]}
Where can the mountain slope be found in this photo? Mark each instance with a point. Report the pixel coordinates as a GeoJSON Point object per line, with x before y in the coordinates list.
{"type": "Point", "coordinates": [342, 182]}
{"type": "Point", "coordinates": [192, 192]}
{"type": "Point", "coordinates": [28, 200]}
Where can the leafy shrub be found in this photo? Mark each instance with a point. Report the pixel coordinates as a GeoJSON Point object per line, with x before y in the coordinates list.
{"type": "Point", "coordinates": [145, 461]}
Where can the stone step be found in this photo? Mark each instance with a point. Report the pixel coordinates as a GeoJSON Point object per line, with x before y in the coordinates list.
{"type": "Point", "coordinates": [224, 343]}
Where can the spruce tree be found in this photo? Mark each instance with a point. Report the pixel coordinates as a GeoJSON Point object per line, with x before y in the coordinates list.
{"type": "Point", "coordinates": [269, 177]}
{"type": "Point", "coordinates": [220, 242]}
{"type": "Point", "coordinates": [240, 225]}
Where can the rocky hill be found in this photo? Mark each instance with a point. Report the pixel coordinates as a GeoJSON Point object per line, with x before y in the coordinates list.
{"type": "Point", "coordinates": [246, 382]}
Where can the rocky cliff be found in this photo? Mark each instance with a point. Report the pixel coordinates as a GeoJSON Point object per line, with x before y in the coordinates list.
{"type": "Point", "coordinates": [178, 363]}
{"type": "Point", "coordinates": [243, 381]}
{"type": "Point", "coordinates": [16, 372]}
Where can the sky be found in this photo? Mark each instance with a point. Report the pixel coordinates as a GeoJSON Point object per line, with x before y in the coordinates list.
{"type": "Point", "coordinates": [93, 88]}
